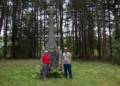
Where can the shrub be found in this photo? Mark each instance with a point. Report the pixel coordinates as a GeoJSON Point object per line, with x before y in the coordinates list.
{"type": "Point", "coordinates": [115, 52]}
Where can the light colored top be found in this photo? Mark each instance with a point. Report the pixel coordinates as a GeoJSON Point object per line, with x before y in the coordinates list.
{"type": "Point", "coordinates": [67, 58]}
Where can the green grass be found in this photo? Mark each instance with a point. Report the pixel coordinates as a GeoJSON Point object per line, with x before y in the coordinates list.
{"type": "Point", "coordinates": [23, 73]}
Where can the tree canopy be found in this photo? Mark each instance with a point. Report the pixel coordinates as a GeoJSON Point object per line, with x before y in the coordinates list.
{"type": "Point", "coordinates": [89, 28]}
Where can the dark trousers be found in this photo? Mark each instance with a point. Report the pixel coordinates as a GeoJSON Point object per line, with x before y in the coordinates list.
{"type": "Point", "coordinates": [45, 70]}
{"type": "Point", "coordinates": [67, 70]}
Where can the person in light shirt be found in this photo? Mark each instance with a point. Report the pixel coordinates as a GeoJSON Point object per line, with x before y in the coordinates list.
{"type": "Point", "coordinates": [67, 59]}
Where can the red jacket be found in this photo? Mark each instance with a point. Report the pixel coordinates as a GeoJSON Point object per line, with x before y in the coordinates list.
{"type": "Point", "coordinates": [45, 59]}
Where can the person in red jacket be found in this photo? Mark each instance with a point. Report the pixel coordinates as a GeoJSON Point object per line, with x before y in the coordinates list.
{"type": "Point", "coordinates": [45, 60]}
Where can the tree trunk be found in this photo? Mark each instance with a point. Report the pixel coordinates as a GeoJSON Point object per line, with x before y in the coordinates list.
{"type": "Point", "coordinates": [61, 24]}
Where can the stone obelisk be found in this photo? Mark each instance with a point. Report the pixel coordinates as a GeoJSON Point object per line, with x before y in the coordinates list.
{"type": "Point", "coordinates": [51, 40]}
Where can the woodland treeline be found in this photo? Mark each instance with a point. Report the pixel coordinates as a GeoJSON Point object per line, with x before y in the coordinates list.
{"type": "Point", "coordinates": [89, 28]}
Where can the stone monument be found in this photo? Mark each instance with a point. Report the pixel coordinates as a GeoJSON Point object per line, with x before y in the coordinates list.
{"type": "Point", "coordinates": [51, 44]}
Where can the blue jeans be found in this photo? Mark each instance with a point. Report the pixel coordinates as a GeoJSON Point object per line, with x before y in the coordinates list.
{"type": "Point", "coordinates": [67, 70]}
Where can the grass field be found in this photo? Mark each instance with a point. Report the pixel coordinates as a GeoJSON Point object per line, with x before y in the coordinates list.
{"type": "Point", "coordinates": [23, 73]}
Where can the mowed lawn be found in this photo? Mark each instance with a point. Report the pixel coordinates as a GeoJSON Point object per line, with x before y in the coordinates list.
{"type": "Point", "coordinates": [23, 73]}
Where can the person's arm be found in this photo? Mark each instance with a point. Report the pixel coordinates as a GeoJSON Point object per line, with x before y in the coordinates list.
{"type": "Point", "coordinates": [70, 57]}
{"type": "Point", "coordinates": [49, 60]}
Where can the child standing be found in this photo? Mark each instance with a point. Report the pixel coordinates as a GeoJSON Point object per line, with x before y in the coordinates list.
{"type": "Point", "coordinates": [45, 60]}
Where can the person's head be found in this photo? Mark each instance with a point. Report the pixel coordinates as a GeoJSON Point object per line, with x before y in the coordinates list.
{"type": "Point", "coordinates": [65, 49]}
{"type": "Point", "coordinates": [58, 47]}
{"type": "Point", "coordinates": [45, 51]}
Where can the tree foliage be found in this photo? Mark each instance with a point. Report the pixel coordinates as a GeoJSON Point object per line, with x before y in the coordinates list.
{"type": "Point", "coordinates": [84, 26]}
